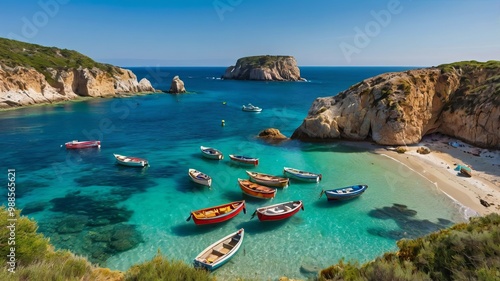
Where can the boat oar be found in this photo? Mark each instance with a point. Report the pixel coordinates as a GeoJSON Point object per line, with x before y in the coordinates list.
{"type": "Point", "coordinates": [321, 194]}
{"type": "Point", "coordinates": [188, 219]}
{"type": "Point", "coordinates": [253, 215]}
{"type": "Point", "coordinates": [244, 210]}
{"type": "Point", "coordinates": [302, 207]}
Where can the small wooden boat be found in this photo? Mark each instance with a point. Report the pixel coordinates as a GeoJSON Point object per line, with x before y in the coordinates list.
{"type": "Point", "coordinates": [279, 211]}
{"type": "Point", "coordinates": [244, 159]}
{"type": "Point", "coordinates": [344, 193]}
{"type": "Point", "coordinates": [268, 180]}
{"type": "Point", "coordinates": [251, 108]}
{"type": "Point", "coordinates": [199, 177]}
{"type": "Point", "coordinates": [256, 190]}
{"type": "Point", "coordinates": [131, 161]}
{"type": "Point", "coordinates": [302, 175]}
{"type": "Point", "coordinates": [211, 153]}
{"type": "Point", "coordinates": [82, 144]}
{"type": "Point", "coordinates": [217, 254]}
{"type": "Point", "coordinates": [217, 214]}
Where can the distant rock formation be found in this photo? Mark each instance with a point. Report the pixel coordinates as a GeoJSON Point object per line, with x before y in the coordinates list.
{"type": "Point", "coordinates": [177, 86]}
{"type": "Point", "coordinates": [21, 86]}
{"type": "Point", "coordinates": [461, 100]}
{"type": "Point", "coordinates": [49, 74]}
{"type": "Point", "coordinates": [271, 68]}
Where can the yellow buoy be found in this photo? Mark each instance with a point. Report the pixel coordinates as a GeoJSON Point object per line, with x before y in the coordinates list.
{"type": "Point", "coordinates": [223, 123]}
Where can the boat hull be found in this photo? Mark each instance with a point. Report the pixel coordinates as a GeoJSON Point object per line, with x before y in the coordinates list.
{"type": "Point", "coordinates": [335, 195]}
{"type": "Point", "coordinates": [244, 160]}
{"type": "Point", "coordinates": [82, 144]}
{"type": "Point", "coordinates": [268, 180]}
{"type": "Point", "coordinates": [256, 190]}
{"type": "Point", "coordinates": [278, 211]}
{"type": "Point", "coordinates": [220, 252]}
{"type": "Point", "coordinates": [131, 161]}
{"type": "Point", "coordinates": [301, 175]}
{"type": "Point", "coordinates": [211, 153]}
{"type": "Point", "coordinates": [209, 215]}
{"type": "Point", "coordinates": [199, 177]}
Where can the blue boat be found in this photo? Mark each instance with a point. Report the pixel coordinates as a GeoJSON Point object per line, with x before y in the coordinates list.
{"type": "Point", "coordinates": [217, 254]}
{"type": "Point", "coordinates": [344, 193]}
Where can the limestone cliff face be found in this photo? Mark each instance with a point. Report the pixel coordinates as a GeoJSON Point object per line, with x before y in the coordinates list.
{"type": "Point", "coordinates": [275, 68]}
{"type": "Point", "coordinates": [20, 86]}
{"type": "Point", "coordinates": [460, 100]}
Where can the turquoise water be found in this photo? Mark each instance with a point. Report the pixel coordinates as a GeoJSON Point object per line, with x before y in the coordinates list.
{"type": "Point", "coordinates": [119, 216]}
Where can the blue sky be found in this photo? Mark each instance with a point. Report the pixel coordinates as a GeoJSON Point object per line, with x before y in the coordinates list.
{"type": "Point", "coordinates": [217, 32]}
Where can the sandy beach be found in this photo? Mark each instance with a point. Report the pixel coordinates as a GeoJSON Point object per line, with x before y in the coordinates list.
{"type": "Point", "coordinates": [438, 167]}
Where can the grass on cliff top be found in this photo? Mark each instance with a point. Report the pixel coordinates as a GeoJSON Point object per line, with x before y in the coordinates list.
{"type": "Point", "coordinates": [491, 64]}
{"type": "Point", "coordinates": [34, 258]}
{"type": "Point", "coordinates": [261, 61]}
{"type": "Point", "coordinates": [16, 53]}
{"type": "Point", "coordinates": [466, 251]}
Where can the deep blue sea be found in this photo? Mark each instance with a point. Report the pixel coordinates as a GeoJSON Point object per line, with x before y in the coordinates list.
{"type": "Point", "coordinates": [119, 216]}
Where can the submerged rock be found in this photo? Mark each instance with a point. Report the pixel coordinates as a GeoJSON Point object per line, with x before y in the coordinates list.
{"type": "Point", "coordinates": [272, 133]}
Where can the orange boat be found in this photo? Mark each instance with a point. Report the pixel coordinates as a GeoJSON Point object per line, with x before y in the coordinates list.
{"type": "Point", "coordinates": [218, 213]}
{"type": "Point", "coordinates": [256, 190]}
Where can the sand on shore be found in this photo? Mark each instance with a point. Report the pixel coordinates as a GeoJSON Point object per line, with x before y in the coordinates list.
{"type": "Point", "coordinates": [438, 167]}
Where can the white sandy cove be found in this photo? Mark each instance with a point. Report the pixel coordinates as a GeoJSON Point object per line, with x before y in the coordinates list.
{"type": "Point", "coordinates": [438, 167]}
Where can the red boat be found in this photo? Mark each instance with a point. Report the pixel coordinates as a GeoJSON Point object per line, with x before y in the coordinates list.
{"type": "Point", "coordinates": [279, 211]}
{"type": "Point", "coordinates": [218, 213]}
{"type": "Point", "coordinates": [82, 144]}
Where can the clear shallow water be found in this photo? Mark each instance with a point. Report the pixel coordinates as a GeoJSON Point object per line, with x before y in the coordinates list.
{"type": "Point", "coordinates": [120, 216]}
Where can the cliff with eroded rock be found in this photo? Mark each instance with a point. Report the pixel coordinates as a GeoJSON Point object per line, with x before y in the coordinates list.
{"type": "Point", "coordinates": [269, 68]}
{"type": "Point", "coordinates": [461, 100]}
{"type": "Point", "coordinates": [32, 74]}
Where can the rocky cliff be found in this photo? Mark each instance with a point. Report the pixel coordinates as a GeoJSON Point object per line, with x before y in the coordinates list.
{"type": "Point", "coordinates": [275, 68]}
{"type": "Point", "coordinates": [460, 100]}
{"type": "Point", "coordinates": [32, 74]}
{"type": "Point", "coordinates": [177, 86]}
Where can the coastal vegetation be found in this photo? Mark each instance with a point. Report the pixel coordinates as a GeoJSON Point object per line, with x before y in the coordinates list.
{"type": "Point", "coordinates": [465, 251]}
{"type": "Point", "coordinates": [260, 61]}
{"type": "Point", "coordinates": [491, 64]}
{"type": "Point", "coordinates": [16, 53]}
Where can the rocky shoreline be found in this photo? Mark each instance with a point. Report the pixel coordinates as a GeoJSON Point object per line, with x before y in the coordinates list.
{"type": "Point", "coordinates": [22, 86]}
{"type": "Point", "coordinates": [458, 100]}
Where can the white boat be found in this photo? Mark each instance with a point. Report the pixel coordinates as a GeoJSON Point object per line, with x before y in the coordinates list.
{"type": "Point", "coordinates": [302, 175]}
{"type": "Point", "coordinates": [251, 108]}
{"type": "Point", "coordinates": [199, 177]}
{"type": "Point", "coordinates": [131, 161]}
{"type": "Point", "coordinates": [219, 252]}
{"type": "Point", "coordinates": [211, 153]}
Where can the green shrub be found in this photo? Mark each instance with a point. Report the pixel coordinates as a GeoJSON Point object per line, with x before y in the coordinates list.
{"type": "Point", "coordinates": [463, 252]}
{"type": "Point", "coordinates": [15, 53]}
{"type": "Point", "coordinates": [159, 268]}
